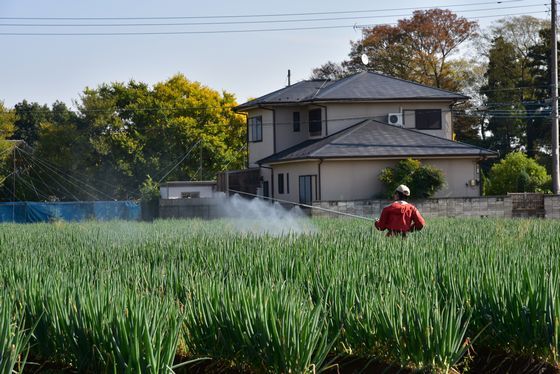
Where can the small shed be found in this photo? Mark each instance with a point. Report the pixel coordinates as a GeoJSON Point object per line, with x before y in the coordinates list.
{"type": "Point", "coordinates": [188, 189]}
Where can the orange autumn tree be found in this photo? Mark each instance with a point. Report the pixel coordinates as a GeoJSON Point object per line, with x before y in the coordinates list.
{"type": "Point", "coordinates": [417, 49]}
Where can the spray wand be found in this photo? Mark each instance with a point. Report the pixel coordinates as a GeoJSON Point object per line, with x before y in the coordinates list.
{"type": "Point", "coordinates": [303, 205]}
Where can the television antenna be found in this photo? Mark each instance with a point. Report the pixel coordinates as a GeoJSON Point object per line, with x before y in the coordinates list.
{"type": "Point", "coordinates": [365, 59]}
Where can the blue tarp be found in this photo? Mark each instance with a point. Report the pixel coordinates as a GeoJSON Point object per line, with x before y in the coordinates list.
{"type": "Point", "coordinates": [29, 212]}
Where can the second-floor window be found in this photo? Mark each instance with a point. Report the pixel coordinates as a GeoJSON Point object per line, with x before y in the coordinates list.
{"type": "Point", "coordinates": [255, 129]}
{"type": "Point", "coordinates": [315, 128]}
{"type": "Point", "coordinates": [428, 119]}
{"type": "Point", "coordinates": [296, 122]}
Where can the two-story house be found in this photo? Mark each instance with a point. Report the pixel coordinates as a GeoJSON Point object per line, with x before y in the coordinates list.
{"type": "Point", "coordinates": [329, 140]}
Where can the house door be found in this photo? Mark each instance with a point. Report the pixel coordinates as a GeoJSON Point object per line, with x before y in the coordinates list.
{"type": "Point", "coordinates": [305, 189]}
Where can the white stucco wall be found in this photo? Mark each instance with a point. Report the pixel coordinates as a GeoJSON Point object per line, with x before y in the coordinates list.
{"type": "Point", "coordinates": [352, 180]}
{"type": "Point", "coordinates": [286, 137]}
{"type": "Point", "coordinates": [260, 150]}
{"type": "Point", "coordinates": [336, 117]}
{"type": "Point", "coordinates": [359, 179]}
{"type": "Point", "coordinates": [295, 170]}
{"type": "Point", "coordinates": [343, 115]}
{"type": "Point", "coordinates": [458, 172]}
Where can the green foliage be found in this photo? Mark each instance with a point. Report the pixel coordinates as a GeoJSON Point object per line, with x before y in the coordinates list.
{"type": "Point", "coordinates": [517, 173]}
{"type": "Point", "coordinates": [7, 119]}
{"type": "Point", "coordinates": [29, 117]}
{"type": "Point", "coordinates": [423, 180]}
{"type": "Point", "coordinates": [149, 191]}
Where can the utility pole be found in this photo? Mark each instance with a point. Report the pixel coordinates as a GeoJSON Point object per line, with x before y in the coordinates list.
{"type": "Point", "coordinates": [554, 94]}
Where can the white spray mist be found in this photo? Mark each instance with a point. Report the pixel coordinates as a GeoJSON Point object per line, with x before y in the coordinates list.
{"type": "Point", "coordinates": [258, 216]}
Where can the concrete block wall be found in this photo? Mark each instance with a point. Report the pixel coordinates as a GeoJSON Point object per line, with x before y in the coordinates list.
{"type": "Point", "coordinates": [490, 206]}
{"type": "Point", "coordinates": [364, 208]}
{"type": "Point", "coordinates": [552, 206]}
{"type": "Point", "coordinates": [486, 206]}
{"type": "Point", "coordinates": [191, 208]}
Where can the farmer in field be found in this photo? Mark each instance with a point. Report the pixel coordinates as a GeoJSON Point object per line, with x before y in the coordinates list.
{"type": "Point", "coordinates": [400, 217]}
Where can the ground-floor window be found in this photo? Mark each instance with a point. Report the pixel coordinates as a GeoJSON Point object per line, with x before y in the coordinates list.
{"type": "Point", "coordinates": [305, 189]}
{"type": "Point", "coordinates": [280, 183]}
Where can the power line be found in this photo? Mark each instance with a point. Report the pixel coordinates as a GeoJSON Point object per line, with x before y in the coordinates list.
{"type": "Point", "coordinates": [515, 88]}
{"type": "Point", "coordinates": [453, 111]}
{"type": "Point", "coordinates": [180, 161]}
{"type": "Point", "coordinates": [120, 111]}
{"type": "Point", "coordinates": [240, 22]}
{"type": "Point", "coordinates": [258, 15]}
{"type": "Point", "coordinates": [234, 31]}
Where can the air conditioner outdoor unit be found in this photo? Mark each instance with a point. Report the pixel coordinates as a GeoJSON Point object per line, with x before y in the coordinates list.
{"type": "Point", "coordinates": [395, 119]}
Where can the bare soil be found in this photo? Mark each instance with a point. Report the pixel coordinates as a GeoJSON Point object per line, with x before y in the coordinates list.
{"type": "Point", "coordinates": [484, 362]}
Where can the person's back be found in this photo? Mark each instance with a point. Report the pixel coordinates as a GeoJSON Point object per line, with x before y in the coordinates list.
{"type": "Point", "coordinates": [400, 217]}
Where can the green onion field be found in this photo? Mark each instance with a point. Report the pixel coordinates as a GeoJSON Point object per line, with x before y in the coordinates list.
{"type": "Point", "coordinates": [170, 296]}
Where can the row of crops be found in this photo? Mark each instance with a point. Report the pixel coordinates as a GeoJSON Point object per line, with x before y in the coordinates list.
{"type": "Point", "coordinates": [153, 298]}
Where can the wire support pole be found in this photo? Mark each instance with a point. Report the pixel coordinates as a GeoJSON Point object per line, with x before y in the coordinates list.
{"type": "Point", "coordinates": [303, 205]}
{"type": "Point", "coordinates": [554, 94]}
{"type": "Point", "coordinates": [14, 184]}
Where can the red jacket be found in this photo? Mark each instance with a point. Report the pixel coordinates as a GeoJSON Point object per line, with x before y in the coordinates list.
{"type": "Point", "coordinates": [400, 217]}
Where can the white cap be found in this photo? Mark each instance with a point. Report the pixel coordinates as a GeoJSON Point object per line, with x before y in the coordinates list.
{"type": "Point", "coordinates": [403, 189]}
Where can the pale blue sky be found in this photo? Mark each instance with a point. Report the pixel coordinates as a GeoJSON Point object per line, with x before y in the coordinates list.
{"type": "Point", "coordinates": [46, 68]}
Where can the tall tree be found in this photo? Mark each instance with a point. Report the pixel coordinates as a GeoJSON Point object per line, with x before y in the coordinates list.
{"type": "Point", "coordinates": [418, 48]}
{"type": "Point", "coordinates": [124, 134]}
{"type": "Point", "coordinates": [329, 70]}
{"type": "Point", "coordinates": [539, 124]}
{"type": "Point", "coordinates": [530, 45]}
{"type": "Point", "coordinates": [7, 119]}
{"type": "Point", "coordinates": [468, 122]}
{"type": "Point", "coordinates": [136, 131]}
{"type": "Point", "coordinates": [502, 100]}
{"type": "Point", "coordinates": [29, 117]}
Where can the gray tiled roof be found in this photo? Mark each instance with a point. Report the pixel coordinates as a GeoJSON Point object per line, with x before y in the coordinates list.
{"type": "Point", "coordinates": [374, 139]}
{"type": "Point", "coordinates": [364, 86]}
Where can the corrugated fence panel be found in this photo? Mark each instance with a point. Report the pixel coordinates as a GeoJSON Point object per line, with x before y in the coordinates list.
{"type": "Point", "coordinates": [29, 212]}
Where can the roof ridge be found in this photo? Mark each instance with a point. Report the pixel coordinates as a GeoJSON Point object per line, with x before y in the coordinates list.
{"type": "Point", "coordinates": [416, 83]}
{"type": "Point", "coordinates": [268, 95]}
{"type": "Point", "coordinates": [341, 82]}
